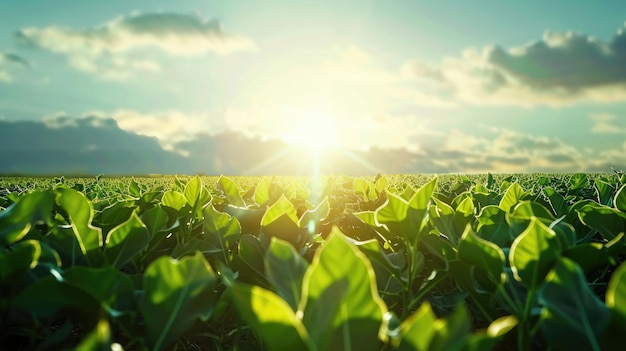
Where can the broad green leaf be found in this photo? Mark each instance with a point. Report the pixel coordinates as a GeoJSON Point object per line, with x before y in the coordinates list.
{"type": "Point", "coordinates": [155, 220]}
{"type": "Point", "coordinates": [620, 199]}
{"type": "Point", "coordinates": [492, 226]}
{"type": "Point", "coordinates": [394, 215]}
{"type": "Point", "coordinates": [111, 288]}
{"type": "Point", "coordinates": [605, 191]}
{"type": "Point", "coordinates": [452, 331]}
{"type": "Point", "coordinates": [369, 218]}
{"type": "Point", "coordinates": [340, 303]}
{"type": "Point", "coordinates": [616, 291]}
{"type": "Point", "coordinates": [285, 270]}
{"type": "Point", "coordinates": [557, 201]}
{"type": "Point", "coordinates": [418, 330]}
{"type": "Point", "coordinates": [176, 294]}
{"type": "Point", "coordinates": [281, 220]}
{"type": "Point", "coordinates": [607, 221]}
{"type": "Point", "coordinates": [578, 182]}
{"type": "Point", "coordinates": [529, 209]}
{"type": "Point", "coordinates": [533, 253]}
{"type": "Point", "coordinates": [17, 219]}
{"type": "Point", "coordinates": [80, 211]}
{"type": "Point", "coordinates": [481, 253]}
{"type": "Point", "coordinates": [280, 208]}
{"type": "Point", "coordinates": [195, 193]}
{"type": "Point", "coordinates": [221, 230]}
{"type": "Point", "coordinates": [20, 258]}
{"type": "Point", "coordinates": [134, 189]}
{"type": "Point", "coordinates": [126, 240]}
{"type": "Point", "coordinates": [311, 218]}
{"type": "Point", "coordinates": [573, 318]}
{"type": "Point", "coordinates": [511, 197]}
{"type": "Point", "coordinates": [252, 257]}
{"type": "Point", "coordinates": [231, 191]}
{"type": "Point", "coordinates": [174, 199]}
{"type": "Point", "coordinates": [271, 317]}
{"type": "Point", "coordinates": [262, 191]}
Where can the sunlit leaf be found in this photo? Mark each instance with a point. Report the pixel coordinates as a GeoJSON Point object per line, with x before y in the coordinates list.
{"type": "Point", "coordinates": [533, 253]}
{"type": "Point", "coordinates": [285, 270]}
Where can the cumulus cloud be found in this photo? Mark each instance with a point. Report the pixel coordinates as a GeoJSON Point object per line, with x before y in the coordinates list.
{"type": "Point", "coordinates": [556, 70]}
{"type": "Point", "coordinates": [607, 123]}
{"type": "Point", "coordinates": [106, 50]}
{"type": "Point", "coordinates": [10, 59]}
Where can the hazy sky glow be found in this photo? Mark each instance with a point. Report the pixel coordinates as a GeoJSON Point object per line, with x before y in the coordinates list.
{"type": "Point", "coordinates": [460, 86]}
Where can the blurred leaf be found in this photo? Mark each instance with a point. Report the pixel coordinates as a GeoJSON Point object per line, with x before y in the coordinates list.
{"type": "Point", "coordinates": [17, 219]}
{"type": "Point", "coordinates": [573, 317]}
{"type": "Point", "coordinates": [176, 294]}
{"type": "Point", "coordinates": [605, 220]}
{"type": "Point", "coordinates": [19, 258]}
{"type": "Point", "coordinates": [616, 291]}
{"type": "Point", "coordinates": [271, 317]}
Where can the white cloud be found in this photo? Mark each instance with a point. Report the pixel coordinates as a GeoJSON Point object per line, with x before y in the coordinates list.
{"type": "Point", "coordinates": [606, 123]}
{"type": "Point", "coordinates": [110, 51]}
{"type": "Point", "coordinates": [559, 69]}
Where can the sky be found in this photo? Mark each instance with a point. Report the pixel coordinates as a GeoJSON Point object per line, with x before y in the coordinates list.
{"type": "Point", "coordinates": [440, 86]}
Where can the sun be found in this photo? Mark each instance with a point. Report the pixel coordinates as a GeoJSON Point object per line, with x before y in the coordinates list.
{"type": "Point", "coordinates": [313, 131]}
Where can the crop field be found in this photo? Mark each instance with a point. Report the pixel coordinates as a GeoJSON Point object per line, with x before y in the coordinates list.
{"type": "Point", "coordinates": [392, 262]}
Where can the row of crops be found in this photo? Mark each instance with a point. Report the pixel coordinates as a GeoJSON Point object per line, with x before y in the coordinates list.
{"type": "Point", "coordinates": [527, 262]}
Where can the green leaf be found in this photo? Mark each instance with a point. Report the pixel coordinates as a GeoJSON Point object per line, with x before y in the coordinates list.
{"type": "Point", "coordinates": [221, 230]}
{"type": "Point", "coordinates": [482, 253]}
{"type": "Point", "coordinates": [492, 226]}
{"type": "Point", "coordinates": [511, 197]}
{"type": "Point", "coordinates": [271, 317]}
{"type": "Point", "coordinates": [176, 294]}
{"type": "Point", "coordinates": [281, 220]}
{"type": "Point", "coordinates": [285, 270]}
{"type": "Point", "coordinates": [533, 253]}
{"type": "Point", "coordinates": [607, 221]}
{"type": "Point", "coordinates": [573, 318]}
{"type": "Point", "coordinates": [174, 199]}
{"type": "Point", "coordinates": [126, 240]}
{"type": "Point", "coordinates": [262, 191]}
{"type": "Point", "coordinates": [17, 219]}
{"type": "Point", "coordinates": [340, 303]}
{"type": "Point", "coordinates": [418, 330]}
{"type": "Point", "coordinates": [111, 288]}
{"type": "Point", "coordinates": [578, 182]}
{"type": "Point", "coordinates": [616, 291]}
{"type": "Point", "coordinates": [620, 199]}
{"type": "Point", "coordinates": [231, 191]}
{"type": "Point", "coordinates": [20, 258]}
{"type": "Point", "coordinates": [311, 218]}
{"type": "Point", "coordinates": [452, 332]}
{"type": "Point", "coordinates": [557, 201]}
{"type": "Point", "coordinates": [195, 193]}
{"type": "Point", "coordinates": [80, 211]}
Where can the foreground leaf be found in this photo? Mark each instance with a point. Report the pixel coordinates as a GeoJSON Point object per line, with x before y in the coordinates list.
{"type": "Point", "coordinates": [573, 318]}
{"type": "Point", "coordinates": [176, 295]}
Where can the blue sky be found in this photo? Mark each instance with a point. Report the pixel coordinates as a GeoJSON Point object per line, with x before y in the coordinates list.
{"type": "Point", "coordinates": [469, 86]}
